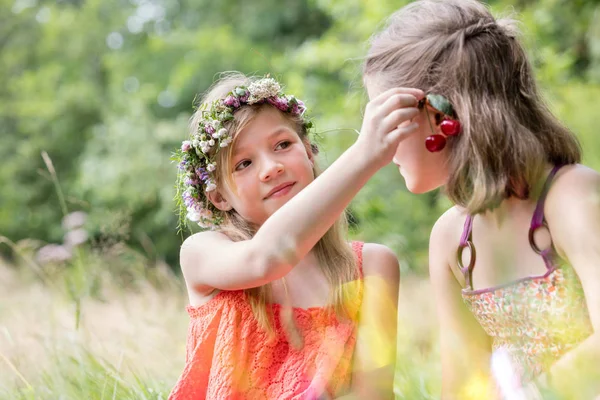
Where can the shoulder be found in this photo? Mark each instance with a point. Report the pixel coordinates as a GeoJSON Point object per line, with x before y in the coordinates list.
{"type": "Point", "coordinates": [195, 246]}
{"type": "Point", "coordinates": [572, 208]}
{"type": "Point", "coordinates": [447, 229]}
{"type": "Point", "coordinates": [443, 244]}
{"type": "Point", "coordinates": [573, 182]}
{"type": "Point", "coordinates": [380, 260]}
{"type": "Point", "coordinates": [574, 196]}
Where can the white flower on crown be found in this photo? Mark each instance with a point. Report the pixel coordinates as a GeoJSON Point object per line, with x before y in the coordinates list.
{"type": "Point", "coordinates": [262, 89]}
{"type": "Point", "coordinates": [211, 167]}
{"type": "Point", "coordinates": [210, 186]}
{"type": "Point", "coordinates": [202, 216]}
{"type": "Point", "coordinates": [193, 215]}
{"type": "Point", "coordinates": [224, 143]}
{"type": "Point", "coordinates": [220, 133]}
{"type": "Point", "coordinates": [206, 219]}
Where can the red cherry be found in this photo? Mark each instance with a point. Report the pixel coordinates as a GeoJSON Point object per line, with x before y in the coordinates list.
{"type": "Point", "coordinates": [435, 143]}
{"type": "Point", "coordinates": [450, 127]}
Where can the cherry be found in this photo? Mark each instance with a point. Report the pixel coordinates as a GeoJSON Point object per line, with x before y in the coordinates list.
{"type": "Point", "coordinates": [435, 143]}
{"type": "Point", "coordinates": [450, 127]}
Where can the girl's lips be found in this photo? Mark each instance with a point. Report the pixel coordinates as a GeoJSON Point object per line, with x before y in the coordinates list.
{"type": "Point", "coordinates": [280, 190]}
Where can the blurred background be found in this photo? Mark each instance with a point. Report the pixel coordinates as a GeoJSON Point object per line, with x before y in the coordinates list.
{"type": "Point", "coordinates": [94, 97]}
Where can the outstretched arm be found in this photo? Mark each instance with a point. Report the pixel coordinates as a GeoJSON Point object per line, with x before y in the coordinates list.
{"type": "Point", "coordinates": [292, 231]}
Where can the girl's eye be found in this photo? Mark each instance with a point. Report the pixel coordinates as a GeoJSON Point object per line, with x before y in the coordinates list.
{"type": "Point", "coordinates": [283, 145]}
{"type": "Point", "coordinates": [242, 164]}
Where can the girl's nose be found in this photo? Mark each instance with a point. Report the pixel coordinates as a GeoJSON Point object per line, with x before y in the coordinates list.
{"type": "Point", "coordinates": [270, 170]}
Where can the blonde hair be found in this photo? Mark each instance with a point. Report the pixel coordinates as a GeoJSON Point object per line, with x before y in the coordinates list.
{"type": "Point", "coordinates": [334, 255]}
{"type": "Point", "coordinates": [456, 48]}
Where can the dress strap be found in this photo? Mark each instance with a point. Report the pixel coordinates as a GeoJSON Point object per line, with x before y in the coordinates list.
{"type": "Point", "coordinates": [466, 241]}
{"type": "Point", "coordinates": [357, 247]}
{"type": "Point", "coordinates": [467, 230]}
{"type": "Point", "coordinates": [538, 215]}
{"type": "Point", "coordinates": [538, 220]}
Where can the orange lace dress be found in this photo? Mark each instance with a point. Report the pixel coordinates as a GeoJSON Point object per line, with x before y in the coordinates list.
{"type": "Point", "coordinates": [228, 356]}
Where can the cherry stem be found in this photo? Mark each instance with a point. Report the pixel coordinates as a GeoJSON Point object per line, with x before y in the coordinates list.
{"type": "Point", "coordinates": [429, 119]}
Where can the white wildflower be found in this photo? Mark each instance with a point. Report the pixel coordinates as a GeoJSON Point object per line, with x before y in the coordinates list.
{"type": "Point", "coordinates": [262, 89]}
{"type": "Point", "coordinates": [193, 215]}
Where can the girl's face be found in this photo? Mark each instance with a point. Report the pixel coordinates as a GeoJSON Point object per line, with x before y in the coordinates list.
{"type": "Point", "coordinates": [422, 170]}
{"type": "Point", "coordinates": [270, 165]}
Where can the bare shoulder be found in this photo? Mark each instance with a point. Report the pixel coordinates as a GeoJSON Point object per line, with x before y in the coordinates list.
{"type": "Point", "coordinates": [573, 183]}
{"type": "Point", "coordinates": [380, 260]}
{"type": "Point", "coordinates": [447, 230]}
{"type": "Point", "coordinates": [572, 208]}
{"type": "Point", "coordinates": [194, 248]}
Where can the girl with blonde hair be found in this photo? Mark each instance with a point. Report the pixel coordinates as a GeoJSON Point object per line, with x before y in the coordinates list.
{"type": "Point", "coordinates": [278, 307]}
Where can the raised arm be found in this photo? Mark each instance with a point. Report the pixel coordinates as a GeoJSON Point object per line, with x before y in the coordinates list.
{"type": "Point", "coordinates": [292, 231]}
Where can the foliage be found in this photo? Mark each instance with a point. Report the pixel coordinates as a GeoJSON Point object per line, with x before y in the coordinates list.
{"type": "Point", "coordinates": [106, 88]}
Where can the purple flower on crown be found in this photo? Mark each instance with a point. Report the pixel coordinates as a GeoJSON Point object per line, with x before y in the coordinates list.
{"type": "Point", "coordinates": [208, 128]}
{"type": "Point", "coordinates": [188, 200]}
{"type": "Point", "coordinates": [186, 146]}
{"type": "Point", "coordinates": [299, 108]}
{"type": "Point", "coordinates": [183, 165]}
{"type": "Point", "coordinates": [202, 174]}
{"type": "Point", "coordinates": [192, 181]}
{"type": "Point", "coordinates": [280, 102]}
{"type": "Point", "coordinates": [231, 101]}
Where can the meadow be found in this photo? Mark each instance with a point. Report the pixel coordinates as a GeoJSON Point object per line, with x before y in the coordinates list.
{"type": "Point", "coordinates": [129, 341]}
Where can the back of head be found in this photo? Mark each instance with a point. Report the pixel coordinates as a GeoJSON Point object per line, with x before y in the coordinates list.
{"type": "Point", "coordinates": [457, 48]}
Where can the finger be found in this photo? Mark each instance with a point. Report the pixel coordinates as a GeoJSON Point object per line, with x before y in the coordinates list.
{"type": "Point", "coordinates": [383, 96]}
{"type": "Point", "coordinates": [397, 101]}
{"type": "Point", "coordinates": [402, 132]}
{"type": "Point", "coordinates": [397, 117]}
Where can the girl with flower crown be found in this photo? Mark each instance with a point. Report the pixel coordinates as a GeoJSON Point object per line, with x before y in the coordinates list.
{"type": "Point", "coordinates": [515, 264]}
{"type": "Point", "coordinates": [281, 305]}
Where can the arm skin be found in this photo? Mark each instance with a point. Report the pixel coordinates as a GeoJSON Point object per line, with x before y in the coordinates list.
{"type": "Point", "coordinates": [210, 260]}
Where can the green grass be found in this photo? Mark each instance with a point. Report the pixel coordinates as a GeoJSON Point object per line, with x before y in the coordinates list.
{"type": "Point", "coordinates": [130, 342]}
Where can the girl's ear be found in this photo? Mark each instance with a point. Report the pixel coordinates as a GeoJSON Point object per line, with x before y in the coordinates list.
{"type": "Point", "coordinates": [218, 200]}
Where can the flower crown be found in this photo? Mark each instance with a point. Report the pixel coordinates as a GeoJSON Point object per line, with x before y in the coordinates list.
{"type": "Point", "coordinates": [197, 156]}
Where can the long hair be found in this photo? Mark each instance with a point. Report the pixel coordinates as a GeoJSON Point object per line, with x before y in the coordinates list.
{"type": "Point", "coordinates": [334, 255]}
{"type": "Point", "coordinates": [456, 48]}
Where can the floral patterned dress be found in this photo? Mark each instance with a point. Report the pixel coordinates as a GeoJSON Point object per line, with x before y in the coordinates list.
{"type": "Point", "coordinates": [537, 319]}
